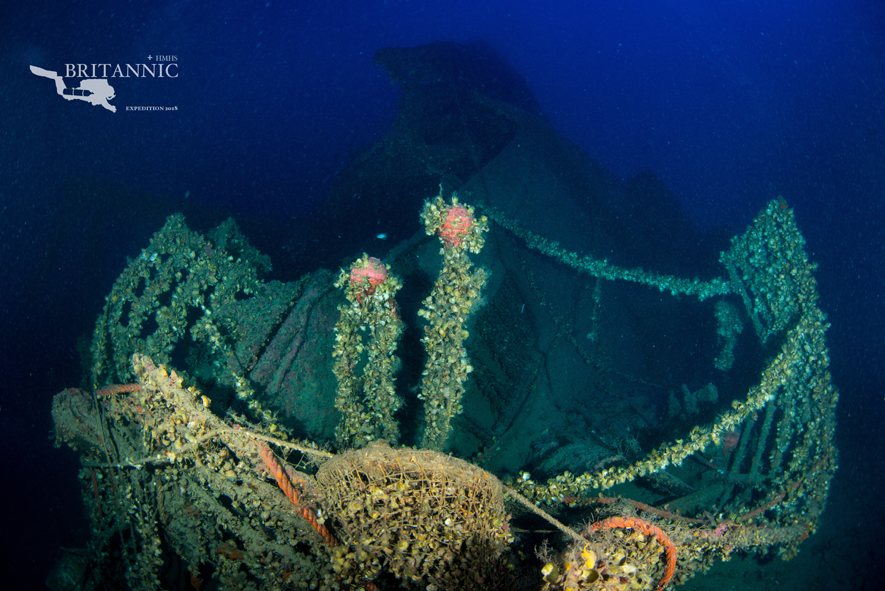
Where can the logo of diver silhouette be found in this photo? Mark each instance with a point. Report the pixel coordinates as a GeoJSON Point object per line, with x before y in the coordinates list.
{"type": "Point", "coordinates": [95, 91]}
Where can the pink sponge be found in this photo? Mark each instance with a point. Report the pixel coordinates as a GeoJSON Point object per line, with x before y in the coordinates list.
{"type": "Point", "coordinates": [458, 222]}
{"type": "Point", "coordinates": [366, 274]}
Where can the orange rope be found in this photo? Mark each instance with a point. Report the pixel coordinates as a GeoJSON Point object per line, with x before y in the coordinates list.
{"type": "Point", "coordinates": [647, 529]}
{"type": "Point", "coordinates": [648, 508]}
{"type": "Point", "coordinates": [293, 494]}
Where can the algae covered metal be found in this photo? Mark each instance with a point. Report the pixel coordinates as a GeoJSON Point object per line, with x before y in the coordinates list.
{"type": "Point", "coordinates": [230, 426]}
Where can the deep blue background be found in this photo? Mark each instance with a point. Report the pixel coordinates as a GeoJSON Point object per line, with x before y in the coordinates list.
{"type": "Point", "coordinates": [731, 103]}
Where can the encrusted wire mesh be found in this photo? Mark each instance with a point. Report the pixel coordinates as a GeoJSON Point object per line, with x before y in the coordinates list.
{"type": "Point", "coordinates": [419, 514]}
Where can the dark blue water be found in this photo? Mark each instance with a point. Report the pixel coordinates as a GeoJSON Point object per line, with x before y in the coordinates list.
{"type": "Point", "coordinates": [729, 103]}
